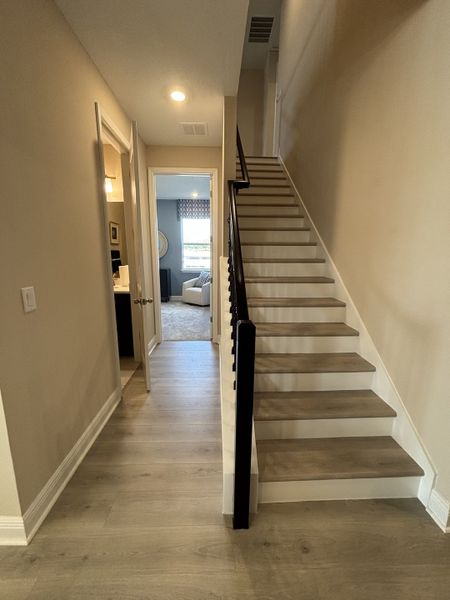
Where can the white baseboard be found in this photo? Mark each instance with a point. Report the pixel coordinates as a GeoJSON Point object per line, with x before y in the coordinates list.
{"type": "Point", "coordinates": [337, 489]}
{"type": "Point", "coordinates": [439, 509]}
{"type": "Point", "coordinates": [152, 344]}
{"type": "Point", "coordinates": [42, 504]}
{"type": "Point", "coordinates": [404, 430]}
{"type": "Point", "coordinates": [176, 298]}
{"type": "Point", "coordinates": [12, 531]}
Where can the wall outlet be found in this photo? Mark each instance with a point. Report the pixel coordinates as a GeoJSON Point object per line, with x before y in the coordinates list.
{"type": "Point", "coordinates": [28, 299]}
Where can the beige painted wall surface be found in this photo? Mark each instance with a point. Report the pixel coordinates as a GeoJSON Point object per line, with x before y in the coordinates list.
{"type": "Point", "coordinates": [57, 366]}
{"type": "Point", "coordinates": [366, 137]}
{"type": "Point", "coordinates": [250, 106]}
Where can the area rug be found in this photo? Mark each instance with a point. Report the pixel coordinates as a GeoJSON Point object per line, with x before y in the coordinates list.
{"type": "Point", "coordinates": [182, 321]}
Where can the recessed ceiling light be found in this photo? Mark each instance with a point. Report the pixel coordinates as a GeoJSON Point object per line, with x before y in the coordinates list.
{"type": "Point", "coordinates": [194, 194]}
{"type": "Point", "coordinates": [178, 96]}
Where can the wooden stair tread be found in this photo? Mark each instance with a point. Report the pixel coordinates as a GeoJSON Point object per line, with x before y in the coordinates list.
{"type": "Point", "coordinates": [273, 194]}
{"type": "Point", "coordinates": [275, 205]}
{"type": "Point", "coordinates": [283, 260]}
{"type": "Point", "coordinates": [295, 302]}
{"type": "Point", "coordinates": [289, 279]}
{"type": "Point", "coordinates": [277, 185]}
{"type": "Point", "coordinates": [333, 458]}
{"type": "Point", "coordinates": [275, 228]}
{"type": "Point", "coordinates": [279, 244]}
{"type": "Point", "coordinates": [259, 216]}
{"type": "Point", "coordinates": [281, 177]}
{"type": "Point", "coordinates": [304, 330]}
{"type": "Point", "coordinates": [334, 404]}
{"type": "Point", "coordinates": [312, 362]}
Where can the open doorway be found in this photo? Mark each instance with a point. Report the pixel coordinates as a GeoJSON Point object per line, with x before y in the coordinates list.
{"type": "Point", "coordinates": [120, 236]}
{"type": "Point", "coordinates": [184, 243]}
{"type": "Point", "coordinates": [182, 207]}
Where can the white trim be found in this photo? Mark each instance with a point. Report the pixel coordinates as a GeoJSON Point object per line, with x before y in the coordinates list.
{"type": "Point", "coordinates": [42, 504]}
{"type": "Point", "coordinates": [176, 298]}
{"type": "Point", "coordinates": [404, 430]}
{"type": "Point", "coordinates": [439, 510]}
{"type": "Point", "coordinates": [12, 531]}
{"type": "Point", "coordinates": [102, 122]}
{"type": "Point", "coordinates": [215, 210]}
{"type": "Point", "coordinates": [152, 344]}
{"type": "Point", "coordinates": [337, 489]}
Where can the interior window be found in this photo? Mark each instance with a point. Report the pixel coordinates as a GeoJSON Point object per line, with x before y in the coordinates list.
{"type": "Point", "coordinates": [195, 245]}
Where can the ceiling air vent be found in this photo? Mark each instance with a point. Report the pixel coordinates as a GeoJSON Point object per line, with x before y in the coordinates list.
{"type": "Point", "coordinates": [260, 29]}
{"type": "Point", "coordinates": [193, 128]}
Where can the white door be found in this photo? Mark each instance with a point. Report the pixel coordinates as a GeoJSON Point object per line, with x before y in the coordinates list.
{"type": "Point", "coordinates": [144, 295]}
{"type": "Point", "coordinates": [211, 267]}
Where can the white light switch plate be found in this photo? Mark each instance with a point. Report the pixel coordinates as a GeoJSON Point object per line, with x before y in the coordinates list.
{"type": "Point", "coordinates": [28, 299]}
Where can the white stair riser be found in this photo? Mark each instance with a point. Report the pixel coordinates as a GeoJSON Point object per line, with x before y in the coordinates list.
{"type": "Point", "coordinates": [290, 290]}
{"type": "Point", "coordinates": [322, 428]}
{"type": "Point", "coordinates": [271, 222]}
{"type": "Point", "coordinates": [303, 382]}
{"type": "Point", "coordinates": [262, 200]}
{"type": "Point", "coordinates": [292, 314]}
{"type": "Point", "coordinates": [338, 489]}
{"type": "Point", "coordinates": [279, 251]}
{"type": "Point", "coordinates": [284, 269]}
{"type": "Point", "coordinates": [275, 236]}
{"type": "Point", "coordinates": [274, 211]}
{"type": "Point", "coordinates": [291, 344]}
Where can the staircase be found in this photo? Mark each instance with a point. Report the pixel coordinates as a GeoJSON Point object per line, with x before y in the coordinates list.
{"type": "Point", "coordinates": [321, 431]}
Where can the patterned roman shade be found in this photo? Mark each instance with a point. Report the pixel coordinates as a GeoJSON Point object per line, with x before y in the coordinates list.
{"type": "Point", "coordinates": [193, 208]}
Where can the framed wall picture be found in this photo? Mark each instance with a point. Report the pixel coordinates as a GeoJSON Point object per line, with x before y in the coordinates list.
{"type": "Point", "coordinates": [114, 233]}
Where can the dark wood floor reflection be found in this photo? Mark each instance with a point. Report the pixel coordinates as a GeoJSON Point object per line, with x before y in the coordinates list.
{"type": "Point", "coordinates": [141, 519]}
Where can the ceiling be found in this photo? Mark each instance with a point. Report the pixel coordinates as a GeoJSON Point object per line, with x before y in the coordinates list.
{"type": "Point", "coordinates": [255, 54]}
{"type": "Point", "coordinates": [146, 48]}
{"type": "Point", "coordinates": [177, 187]}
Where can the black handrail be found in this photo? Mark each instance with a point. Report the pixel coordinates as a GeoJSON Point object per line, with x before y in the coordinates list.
{"type": "Point", "coordinates": [243, 336]}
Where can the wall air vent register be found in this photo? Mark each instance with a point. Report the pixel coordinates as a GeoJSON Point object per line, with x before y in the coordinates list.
{"type": "Point", "coordinates": [260, 30]}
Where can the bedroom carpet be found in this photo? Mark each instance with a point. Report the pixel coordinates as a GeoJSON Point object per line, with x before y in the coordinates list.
{"type": "Point", "coordinates": [182, 321]}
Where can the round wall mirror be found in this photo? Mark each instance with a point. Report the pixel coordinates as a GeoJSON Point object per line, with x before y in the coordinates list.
{"type": "Point", "coordinates": [163, 244]}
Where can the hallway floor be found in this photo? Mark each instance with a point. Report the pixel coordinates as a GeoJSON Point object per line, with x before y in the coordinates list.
{"type": "Point", "coordinates": [141, 519]}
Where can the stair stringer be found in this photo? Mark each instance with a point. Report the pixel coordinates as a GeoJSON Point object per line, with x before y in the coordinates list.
{"type": "Point", "coordinates": [404, 431]}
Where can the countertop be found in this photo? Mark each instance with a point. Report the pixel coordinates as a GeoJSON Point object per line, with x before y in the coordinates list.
{"type": "Point", "coordinates": [121, 289]}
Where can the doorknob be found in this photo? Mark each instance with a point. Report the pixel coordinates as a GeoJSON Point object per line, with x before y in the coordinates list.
{"type": "Point", "coordinates": [143, 301]}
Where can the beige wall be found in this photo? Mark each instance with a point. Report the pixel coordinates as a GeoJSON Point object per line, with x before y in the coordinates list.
{"type": "Point", "coordinates": [115, 205]}
{"type": "Point", "coordinates": [57, 363]}
{"type": "Point", "coordinates": [270, 92]}
{"type": "Point", "coordinates": [365, 135]}
{"type": "Point", "coordinates": [250, 101]}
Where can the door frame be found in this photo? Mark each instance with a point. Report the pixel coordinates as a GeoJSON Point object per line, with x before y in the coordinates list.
{"type": "Point", "coordinates": [214, 209]}
{"type": "Point", "coordinates": [106, 127]}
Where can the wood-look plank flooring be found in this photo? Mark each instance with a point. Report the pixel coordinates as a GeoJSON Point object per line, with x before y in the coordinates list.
{"type": "Point", "coordinates": [141, 518]}
{"type": "Point", "coordinates": [326, 329]}
{"type": "Point", "coordinates": [333, 458]}
{"type": "Point", "coordinates": [331, 404]}
{"type": "Point", "coordinates": [312, 362]}
{"type": "Point", "coordinates": [293, 302]}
